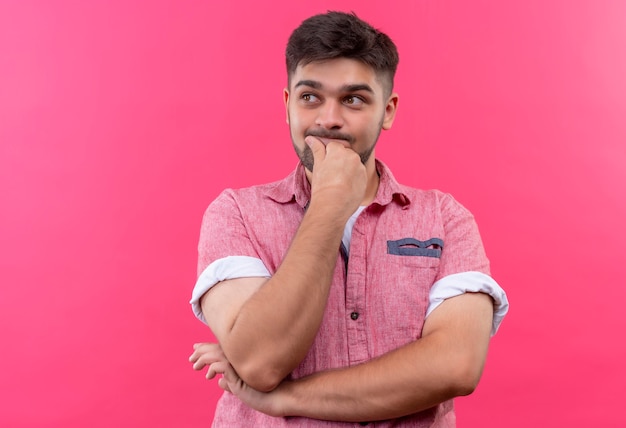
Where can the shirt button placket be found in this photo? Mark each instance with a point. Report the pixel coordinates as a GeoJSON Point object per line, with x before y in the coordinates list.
{"type": "Point", "coordinates": [354, 316]}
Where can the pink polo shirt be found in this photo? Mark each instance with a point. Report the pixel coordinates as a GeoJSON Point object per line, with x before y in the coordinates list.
{"type": "Point", "coordinates": [405, 243]}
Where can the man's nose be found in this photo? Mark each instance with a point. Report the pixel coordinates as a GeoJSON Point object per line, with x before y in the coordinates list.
{"type": "Point", "coordinates": [329, 116]}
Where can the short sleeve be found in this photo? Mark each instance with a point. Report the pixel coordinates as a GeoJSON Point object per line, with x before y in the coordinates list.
{"type": "Point", "coordinates": [225, 250]}
{"type": "Point", "coordinates": [462, 247]}
{"type": "Point", "coordinates": [223, 232]}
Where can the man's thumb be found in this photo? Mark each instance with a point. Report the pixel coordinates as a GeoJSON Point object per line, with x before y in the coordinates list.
{"type": "Point", "coordinates": [317, 148]}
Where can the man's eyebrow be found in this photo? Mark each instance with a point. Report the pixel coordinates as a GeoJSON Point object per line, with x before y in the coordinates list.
{"type": "Point", "coordinates": [310, 83]}
{"type": "Point", "coordinates": [357, 87]}
{"type": "Point", "coordinates": [345, 88]}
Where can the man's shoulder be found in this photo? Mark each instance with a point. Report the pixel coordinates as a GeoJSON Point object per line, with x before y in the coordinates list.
{"type": "Point", "coordinates": [434, 200]}
{"type": "Point", "coordinates": [260, 188]}
{"type": "Point", "coordinates": [418, 191]}
{"type": "Point", "coordinates": [253, 195]}
{"type": "Point", "coordinates": [422, 201]}
{"type": "Point", "coordinates": [407, 195]}
{"type": "Point", "coordinates": [421, 195]}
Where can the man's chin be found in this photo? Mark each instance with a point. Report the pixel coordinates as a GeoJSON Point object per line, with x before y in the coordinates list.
{"type": "Point", "coordinates": [307, 165]}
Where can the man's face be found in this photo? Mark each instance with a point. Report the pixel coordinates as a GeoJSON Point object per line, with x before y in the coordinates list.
{"type": "Point", "coordinates": [339, 99]}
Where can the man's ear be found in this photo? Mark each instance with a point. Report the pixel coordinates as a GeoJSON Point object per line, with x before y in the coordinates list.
{"type": "Point", "coordinates": [286, 100]}
{"type": "Point", "coordinates": [390, 111]}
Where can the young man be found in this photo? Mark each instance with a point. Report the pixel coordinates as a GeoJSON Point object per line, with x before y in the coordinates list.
{"type": "Point", "coordinates": [338, 295]}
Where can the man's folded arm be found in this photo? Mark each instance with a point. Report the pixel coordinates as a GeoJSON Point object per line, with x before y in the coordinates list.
{"type": "Point", "coordinates": [447, 361]}
{"type": "Point", "coordinates": [266, 326]}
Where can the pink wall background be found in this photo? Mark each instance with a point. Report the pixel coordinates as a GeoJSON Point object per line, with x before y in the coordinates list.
{"type": "Point", "coordinates": [120, 121]}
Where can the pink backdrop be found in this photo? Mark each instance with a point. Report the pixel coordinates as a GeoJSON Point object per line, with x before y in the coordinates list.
{"type": "Point", "coordinates": [121, 120]}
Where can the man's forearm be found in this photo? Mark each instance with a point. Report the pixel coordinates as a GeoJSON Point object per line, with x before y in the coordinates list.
{"type": "Point", "coordinates": [367, 392]}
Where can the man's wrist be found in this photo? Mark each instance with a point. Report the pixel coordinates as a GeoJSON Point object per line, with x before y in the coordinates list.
{"type": "Point", "coordinates": [286, 399]}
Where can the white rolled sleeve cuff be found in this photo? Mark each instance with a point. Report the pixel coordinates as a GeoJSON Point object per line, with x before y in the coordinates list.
{"type": "Point", "coordinates": [230, 267]}
{"type": "Point", "coordinates": [470, 282]}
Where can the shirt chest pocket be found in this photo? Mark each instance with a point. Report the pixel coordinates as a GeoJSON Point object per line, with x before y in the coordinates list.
{"type": "Point", "coordinates": [400, 287]}
{"type": "Point", "coordinates": [411, 247]}
{"type": "Point", "coordinates": [413, 264]}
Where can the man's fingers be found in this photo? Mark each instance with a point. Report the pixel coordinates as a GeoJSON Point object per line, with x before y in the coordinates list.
{"type": "Point", "coordinates": [204, 348]}
{"type": "Point", "coordinates": [222, 383]}
{"type": "Point", "coordinates": [206, 354]}
{"type": "Point", "coordinates": [230, 374]}
{"type": "Point", "coordinates": [229, 378]}
{"type": "Point", "coordinates": [317, 148]}
{"type": "Point", "coordinates": [216, 368]}
{"type": "Point", "coordinates": [206, 360]}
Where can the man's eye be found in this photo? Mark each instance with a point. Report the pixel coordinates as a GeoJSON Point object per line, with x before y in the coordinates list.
{"type": "Point", "coordinates": [353, 100]}
{"type": "Point", "coordinates": [309, 98]}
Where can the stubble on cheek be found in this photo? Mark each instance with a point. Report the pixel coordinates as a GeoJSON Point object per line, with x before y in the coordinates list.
{"type": "Point", "coordinates": [305, 155]}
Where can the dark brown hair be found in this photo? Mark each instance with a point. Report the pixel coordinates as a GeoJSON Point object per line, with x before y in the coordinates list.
{"type": "Point", "coordinates": [342, 35]}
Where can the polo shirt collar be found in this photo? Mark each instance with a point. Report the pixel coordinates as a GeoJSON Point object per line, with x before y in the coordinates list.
{"type": "Point", "coordinates": [296, 187]}
{"type": "Point", "coordinates": [389, 190]}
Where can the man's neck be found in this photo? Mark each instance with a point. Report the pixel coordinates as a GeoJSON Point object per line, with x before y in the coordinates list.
{"type": "Point", "coordinates": [373, 180]}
